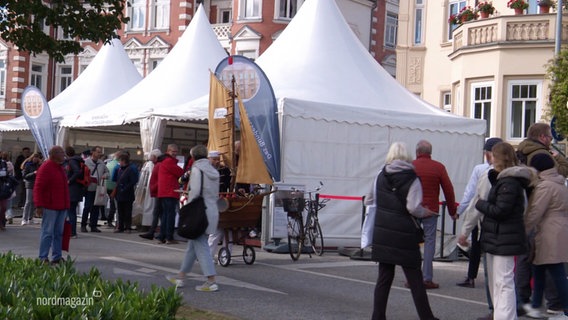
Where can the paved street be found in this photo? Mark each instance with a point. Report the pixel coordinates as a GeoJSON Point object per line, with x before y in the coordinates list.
{"type": "Point", "coordinates": [274, 287]}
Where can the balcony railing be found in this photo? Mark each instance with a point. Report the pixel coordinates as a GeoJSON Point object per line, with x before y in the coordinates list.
{"type": "Point", "coordinates": [521, 29]}
{"type": "Point", "coordinates": [222, 30]}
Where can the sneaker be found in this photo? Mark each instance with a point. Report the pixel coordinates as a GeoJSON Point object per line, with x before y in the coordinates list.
{"type": "Point", "coordinates": [110, 225]}
{"type": "Point", "coordinates": [160, 241]}
{"type": "Point", "coordinates": [532, 312]}
{"type": "Point", "coordinates": [84, 229]}
{"type": "Point", "coordinates": [24, 222]}
{"type": "Point", "coordinates": [207, 286]}
{"type": "Point", "coordinates": [174, 280]}
{"type": "Point", "coordinates": [31, 221]}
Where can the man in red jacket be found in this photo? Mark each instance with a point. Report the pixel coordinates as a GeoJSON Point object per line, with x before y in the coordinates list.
{"type": "Point", "coordinates": [168, 174]}
{"type": "Point", "coordinates": [432, 175]}
{"type": "Point", "coordinates": [51, 198]}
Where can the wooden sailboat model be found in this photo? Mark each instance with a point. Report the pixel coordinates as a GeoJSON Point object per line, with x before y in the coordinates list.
{"type": "Point", "coordinates": [243, 209]}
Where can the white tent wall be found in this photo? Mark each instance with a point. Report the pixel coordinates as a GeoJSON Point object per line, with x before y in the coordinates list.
{"type": "Point", "coordinates": [347, 155]}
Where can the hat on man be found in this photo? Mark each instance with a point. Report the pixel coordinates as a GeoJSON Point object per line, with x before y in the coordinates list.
{"type": "Point", "coordinates": [490, 143]}
{"type": "Point", "coordinates": [214, 154]}
{"type": "Point", "coordinates": [542, 161]}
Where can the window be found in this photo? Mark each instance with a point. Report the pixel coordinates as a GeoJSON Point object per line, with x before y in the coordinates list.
{"type": "Point", "coordinates": [447, 101]}
{"type": "Point", "coordinates": [523, 107]}
{"type": "Point", "coordinates": [224, 16]}
{"type": "Point", "coordinates": [287, 8]}
{"type": "Point", "coordinates": [36, 77]}
{"type": "Point", "coordinates": [249, 9]}
{"type": "Point", "coordinates": [65, 75]}
{"type": "Point", "coordinates": [2, 78]}
{"type": "Point", "coordinates": [418, 21]}
{"type": "Point", "coordinates": [455, 7]}
{"type": "Point", "coordinates": [152, 64]}
{"type": "Point", "coordinates": [137, 15]}
{"type": "Point", "coordinates": [391, 30]}
{"type": "Point", "coordinates": [481, 104]}
{"type": "Point", "coordinates": [161, 14]}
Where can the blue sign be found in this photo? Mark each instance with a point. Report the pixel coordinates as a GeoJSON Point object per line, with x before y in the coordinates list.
{"type": "Point", "coordinates": [258, 98]}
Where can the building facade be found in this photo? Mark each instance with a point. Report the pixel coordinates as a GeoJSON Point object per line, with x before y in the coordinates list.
{"type": "Point", "coordinates": [492, 68]}
{"type": "Point", "coordinates": [244, 27]}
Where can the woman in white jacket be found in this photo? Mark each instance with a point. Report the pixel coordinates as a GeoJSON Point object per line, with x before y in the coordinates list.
{"type": "Point", "coordinates": [198, 248]}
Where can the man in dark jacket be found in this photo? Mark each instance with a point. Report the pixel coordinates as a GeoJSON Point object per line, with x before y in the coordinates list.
{"type": "Point", "coordinates": [76, 190]}
{"type": "Point", "coordinates": [539, 140]}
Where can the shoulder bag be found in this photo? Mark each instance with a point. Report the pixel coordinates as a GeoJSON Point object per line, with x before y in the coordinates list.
{"type": "Point", "coordinates": [193, 217]}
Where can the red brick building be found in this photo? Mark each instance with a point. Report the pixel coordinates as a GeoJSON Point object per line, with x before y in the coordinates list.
{"type": "Point", "coordinates": [245, 27]}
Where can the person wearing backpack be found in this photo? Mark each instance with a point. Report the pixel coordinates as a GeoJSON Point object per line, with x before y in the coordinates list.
{"type": "Point", "coordinates": [76, 189]}
{"type": "Point", "coordinates": [99, 172]}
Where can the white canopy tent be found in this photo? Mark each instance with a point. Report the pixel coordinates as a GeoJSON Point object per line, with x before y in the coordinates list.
{"type": "Point", "coordinates": [110, 74]}
{"type": "Point", "coordinates": [181, 77]}
{"type": "Point", "coordinates": [340, 111]}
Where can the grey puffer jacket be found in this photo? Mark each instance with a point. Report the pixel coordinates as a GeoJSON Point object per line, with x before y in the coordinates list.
{"type": "Point", "coordinates": [210, 190]}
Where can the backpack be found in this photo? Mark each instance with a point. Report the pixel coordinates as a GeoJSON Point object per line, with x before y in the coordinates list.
{"type": "Point", "coordinates": [84, 177]}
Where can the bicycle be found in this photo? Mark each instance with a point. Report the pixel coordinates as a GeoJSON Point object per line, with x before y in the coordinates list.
{"type": "Point", "coordinates": [298, 232]}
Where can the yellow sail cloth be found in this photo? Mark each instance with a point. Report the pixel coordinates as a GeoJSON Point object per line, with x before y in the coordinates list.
{"type": "Point", "coordinates": [221, 118]}
{"type": "Point", "coordinates": [252, 168]}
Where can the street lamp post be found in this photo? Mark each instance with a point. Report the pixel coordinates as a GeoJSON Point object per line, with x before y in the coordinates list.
{"type": "Point", "coordinates": [558, 40]}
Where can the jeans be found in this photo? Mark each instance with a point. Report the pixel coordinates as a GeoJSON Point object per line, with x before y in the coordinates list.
{"type": "Point", "coordinates": [72, 214]}
{"type": "Point", "coordinates": [168, 218]}
{"type": "Point", "coordinates": [29, 207]}
{"type": "Point", "coordinates": [416, 284]}
{"type": "Point", "coordinates": [51, 233]}
{"type": "Point", "coordinates": [558, 275]}
{"type": "Point", "coordinates": [198, 249]}
{"type": "Point", "coordinates": [92, 209]}
{"type": "Point", "coordinates": [429, 224]}
{"type": "Point", "coordinates": [487, 291]}
{"type": "Point", "coordinates": [156, 215]}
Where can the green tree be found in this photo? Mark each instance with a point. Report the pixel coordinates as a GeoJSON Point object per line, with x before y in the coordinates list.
{"type": "Point", "coordinates": [22, 23]}
{"type": "Point", "coordinates": [557, 72]}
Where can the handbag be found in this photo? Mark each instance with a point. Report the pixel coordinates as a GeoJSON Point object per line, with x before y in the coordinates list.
{"type": "Point", "coordinates": [369, 222]}
{"type": "Point", "coordinates": [101, 196]}
{"type": "Point", "coordinates": [66, 239]}
{"type": "Point", "coordinates": [193, 217]}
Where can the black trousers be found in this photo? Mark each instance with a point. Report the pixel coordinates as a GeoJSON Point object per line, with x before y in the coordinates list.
{"type": "Point", "coordinates": [474, 254]}
{"type": "Point", "coordinates": [416, 284]}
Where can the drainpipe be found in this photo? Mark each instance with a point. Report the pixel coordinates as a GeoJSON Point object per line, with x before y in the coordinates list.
{"type": "Point", "coordinates": [373, 7]}
{"type": "Point", "coordinates": [558, 40]}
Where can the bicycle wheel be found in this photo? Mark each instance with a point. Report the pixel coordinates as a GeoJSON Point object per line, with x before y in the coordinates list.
{"type": "Point", "coordinates": [295, 235]}
{"type": "Point", "coordinates": [316, 236]}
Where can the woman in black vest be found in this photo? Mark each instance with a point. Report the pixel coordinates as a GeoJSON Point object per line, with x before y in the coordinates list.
{"type": "Point", "coordinates": [396, 235]}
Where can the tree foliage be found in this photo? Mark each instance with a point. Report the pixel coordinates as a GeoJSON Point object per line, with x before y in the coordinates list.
{"type": "Point", "coordinates": [557, 72]}
{"type": "Point", "coordinates": [22, 23]}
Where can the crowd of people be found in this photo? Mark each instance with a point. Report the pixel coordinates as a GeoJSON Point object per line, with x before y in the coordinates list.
{"type": "Point", "coordinates": [514, 209]}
